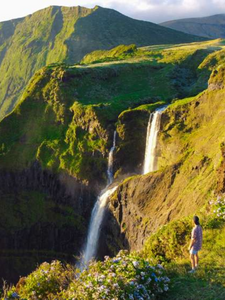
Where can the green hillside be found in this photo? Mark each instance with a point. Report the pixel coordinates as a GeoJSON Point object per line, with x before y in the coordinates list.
{"type": "Point", "coordinates": [54, 149]}
{"type": "Point", "coordinates": [65, 35]}
{"type": "Point", "coordinates": [59, 97]}
{"type": "Point", "coordinates": [211, 27]}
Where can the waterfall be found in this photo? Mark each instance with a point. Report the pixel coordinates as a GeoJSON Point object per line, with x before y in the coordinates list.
{"type": "Point", "coordinates": [95, 225]}
{"type": "Point", "coordinates": [98, 213]}
{"type": "Point", "coordinates": [110, 160]}
{"type": "Point", "coordinates": [150, 161]}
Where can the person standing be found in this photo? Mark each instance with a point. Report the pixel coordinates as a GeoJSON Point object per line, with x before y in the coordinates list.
{"type": "Point", "coordinates": [195, 244]}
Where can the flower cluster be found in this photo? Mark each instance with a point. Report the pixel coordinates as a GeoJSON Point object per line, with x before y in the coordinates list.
{"type": "Point", "coordinates": [219, 207]}
{"type": "Point", "coordinates": [127, 276]}
{"type": "Point", "coordinates": [45, 282]}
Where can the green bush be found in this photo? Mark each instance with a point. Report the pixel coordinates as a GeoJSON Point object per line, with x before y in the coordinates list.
{"type": "Point", "coordinates": [44, 283]}
{"type": "Point", "coordinates": [127, 276]}
{"type": "Point", "coordinates": [169, 242]}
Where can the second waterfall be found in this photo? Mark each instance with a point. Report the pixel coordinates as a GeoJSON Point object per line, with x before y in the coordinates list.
{"type": "Point", "coordinates": [98, 211]}
{"type": "Point", "coordinates": [150, 161]}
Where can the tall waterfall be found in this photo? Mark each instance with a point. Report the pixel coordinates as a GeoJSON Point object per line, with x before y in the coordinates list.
{"type": "Point", "coordinates": [98, 212]}
{"type": "Point", "coordinates": [150, 162]}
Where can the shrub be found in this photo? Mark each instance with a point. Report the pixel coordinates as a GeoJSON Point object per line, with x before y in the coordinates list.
{"type": "Point", "coordinates": [169, 242]}
{"type": "Point", "coordinates": [127, 276]}
{"type": "Point", "coordinates": [44, 283]}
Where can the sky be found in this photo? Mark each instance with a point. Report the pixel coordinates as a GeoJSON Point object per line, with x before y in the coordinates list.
{"type": "Point", "coordinates": [150, 10]}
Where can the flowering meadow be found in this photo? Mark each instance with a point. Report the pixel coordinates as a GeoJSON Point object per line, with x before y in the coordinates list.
{"type": "Point", "coordinates": [127, 276]}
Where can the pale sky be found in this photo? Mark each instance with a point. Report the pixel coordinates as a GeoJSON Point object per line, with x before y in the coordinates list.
{"type": "Point", "coordinates": [150, 10]}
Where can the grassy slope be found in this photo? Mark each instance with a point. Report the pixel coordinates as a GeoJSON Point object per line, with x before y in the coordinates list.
{"type": "Point", "coordinates": [59, 99]}
{"type": "Point", "coordinates": [208, 283]}
{"type": "Point", "coordinates": [37, 40]}
{"type": "Point", "coordinates": [188, 138]}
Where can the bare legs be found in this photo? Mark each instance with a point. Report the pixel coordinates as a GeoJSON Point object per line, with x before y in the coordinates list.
{"type": "Point", "coordinates": [192, 257]}
{"type": "Point", "coordinates": [194, 260]}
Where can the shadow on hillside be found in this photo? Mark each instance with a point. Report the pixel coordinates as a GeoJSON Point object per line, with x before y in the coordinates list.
{"type": "Point", "coordinates": [43, 218]}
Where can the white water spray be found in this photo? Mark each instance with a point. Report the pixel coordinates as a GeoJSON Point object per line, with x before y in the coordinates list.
{"type": "Point", "coordinates": [98, 213]}
{"type": "Point", "coordinates": [150, 162]}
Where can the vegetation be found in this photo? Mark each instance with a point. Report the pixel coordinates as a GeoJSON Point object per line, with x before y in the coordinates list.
{"type": "Point", "coordinates": [65, 120]}
{"type": "Point", "coordinates": [127, 276]}
{"type": "Point", "coordinates": [138, 275]}
{"type": "Point", "coordinates": [118, 53]}
{"type": "Point", "coordinates": [208, 282]}
{"type": "Point", "coordinates": [72, 107]}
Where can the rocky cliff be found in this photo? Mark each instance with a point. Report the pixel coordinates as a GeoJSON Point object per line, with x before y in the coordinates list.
{"type": "Point", "coordinates": [43, 215]}
{"type": "Point", "coordinates": [191, 169]}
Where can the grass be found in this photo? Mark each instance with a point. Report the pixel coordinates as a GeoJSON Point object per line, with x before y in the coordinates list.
{"type": "Point", "coordinates": [199, 286]}
{"type": "Point", "coordinates": [170, 244]}
{"type": "Point", "coordinates": [208, 283]}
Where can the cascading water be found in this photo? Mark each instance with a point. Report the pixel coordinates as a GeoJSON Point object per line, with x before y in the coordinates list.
{"type": "Point", "coordinates": [150, 162]}
{"type": "Point", "coordinates": [110, 160]}
{"type": "Point", "coordinates": [98, 213]}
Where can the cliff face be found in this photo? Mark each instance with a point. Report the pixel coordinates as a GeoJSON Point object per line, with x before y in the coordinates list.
{"type": "Point", "coordinates": [191, 168]}
{"type": "Point", "coordinates": [52, 168]}
{"type": "Point", "coordinates": [131, 128]}
{"type": "Point", "coordinates": [43, 216]}
{"type": "Point", "coordinates": [53, 160]}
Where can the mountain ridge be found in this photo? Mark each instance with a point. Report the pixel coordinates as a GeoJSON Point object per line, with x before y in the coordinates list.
{"type": "Point", "coordinates": [210, 26]}
{"type": "Point", "coordinates": [60, 34]}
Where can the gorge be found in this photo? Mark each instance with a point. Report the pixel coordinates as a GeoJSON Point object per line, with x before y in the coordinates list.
{"type": "Point", "coordinates": [98, 212]}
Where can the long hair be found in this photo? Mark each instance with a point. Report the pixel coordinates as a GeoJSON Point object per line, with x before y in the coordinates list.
{"type": "Point", "coordinates": [196, 220]}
